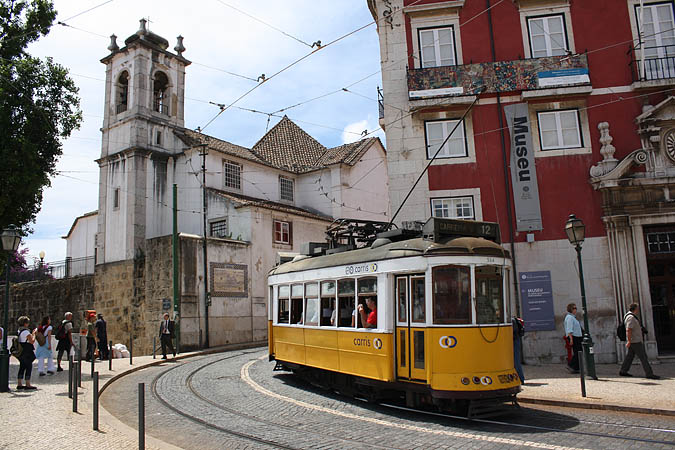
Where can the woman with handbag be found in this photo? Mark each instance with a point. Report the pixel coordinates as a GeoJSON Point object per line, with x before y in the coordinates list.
{"type": "Point", "coordinates": [44, 350]}
{"type": "Point", "coordinates": [26, 339]}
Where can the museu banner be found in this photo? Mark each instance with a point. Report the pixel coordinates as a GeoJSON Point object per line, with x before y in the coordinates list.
{"type": "Point", "coordinates": [523, 171]}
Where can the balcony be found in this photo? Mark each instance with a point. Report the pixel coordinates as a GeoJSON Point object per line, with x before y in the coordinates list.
{"type": "Point", "coordinates": [465, 81]}
{"type": "Point", "coordinates": [658, 68]}
{"type": "Point", "coordinates": [161, 107]}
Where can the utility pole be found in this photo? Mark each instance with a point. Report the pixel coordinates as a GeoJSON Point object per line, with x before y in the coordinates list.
{"type": "Point", "coordinates": [207, 297]}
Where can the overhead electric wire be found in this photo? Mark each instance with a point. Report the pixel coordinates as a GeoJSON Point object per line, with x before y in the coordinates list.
{"type": "Point", "coordinates": [86, 11]}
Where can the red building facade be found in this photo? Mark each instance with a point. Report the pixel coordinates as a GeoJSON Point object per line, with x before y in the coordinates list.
{"type": "Point", "coordinates": [593, 79]}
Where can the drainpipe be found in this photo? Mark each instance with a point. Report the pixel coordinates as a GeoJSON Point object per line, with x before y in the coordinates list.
{"type": "Point", "coordinates": [207, 298]}
{"type": "Point", "coordinates": [505, 159]}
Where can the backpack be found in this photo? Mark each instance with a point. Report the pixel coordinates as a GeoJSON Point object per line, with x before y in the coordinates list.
{"type": "Point", "coordinates": [16, 349]}
{"type": "Point", "coordinates": [520, 326]}
{"type": "Point", "coordinates": [40, 337]}
{"type": "Point", "coordinates": [61, 332]}
{"type": "Point", "coordinates": [621, 329]}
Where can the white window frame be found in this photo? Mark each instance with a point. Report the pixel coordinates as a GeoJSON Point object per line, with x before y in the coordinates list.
{"type": "Point", "coordinates": [535, 9]}
{"type": "Point", "coordinates": [287, 231]}
{"type": "Point", "coordinates": [447, 126]}
{"type": "Point", "coordinates": [235, 177]}
{"type": "Point", "coordinates": [659, 61]}
{"type": "Point", "coordinates": [557, 113]}
{"type": "Point", "coordinates": [437, 50]}
{"type": "Point", "coordinates": [116, 200]}
{"type": "Point", "coordinates": [281, 189]}
{"type": "Point", "coordinates": [547, 37]}
{"type": "Point", "coordinates": [446, 17]}
{"type": "Point", "coordinates": [450, 204]}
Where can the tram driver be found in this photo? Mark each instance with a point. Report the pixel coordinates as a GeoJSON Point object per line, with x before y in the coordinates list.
{"type": "Point", "coordinates": [370, 320]}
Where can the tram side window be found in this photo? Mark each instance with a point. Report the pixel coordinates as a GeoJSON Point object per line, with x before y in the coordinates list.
{"type": "Point", "coordinates": [489, 298]}
{"type": "Point", "coordinates": [312, 304]}
{"type": "Point", "coordinates": [346, 306]}
{"type": "Point", "coordinates": [296, 303]}
{"type": "Point", "coordinates": [452, 294]}
{"type": "Point", "coordinates": [284, 304]}
{"type": "Point", "coordinates": [328, 313]}
{"type": "Point", "coordinates": [367, 288]}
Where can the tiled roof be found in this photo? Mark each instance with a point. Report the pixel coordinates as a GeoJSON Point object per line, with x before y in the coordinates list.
{"type": "Point", "coordinates": [289, 147]}
{"type": "Point", "coordinates": [286, 146]}
{"type": "Point", "coordinates": [245, 200]}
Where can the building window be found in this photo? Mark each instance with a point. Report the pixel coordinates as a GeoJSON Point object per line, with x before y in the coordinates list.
{"type": "Point", "coordinates": [232, 175]}
{"type": "Point", "coordinates": [286, 189]}
{"type": "Point", "coordinates": [437, 47]}
{"type": "Point", "coordinates": [453, 208]}
{"type": "Point", "coordinates": [219, 228]}
{"type": "Point", "coordinates": [547, 35]}
{"type": "Point", "coordinates": [158, 137]}
{"type": "Point", "coordinates": [116, 198]}
{"type": "Point", "coordinates": [662, 242]}
{"type": "Point", "coordinates": [437, 131]}
{"type": "Point", "coordinates": [160, 88]}
{"type": "Point", "coordinates": [658, 40]}
{"type": "Point", "coordinates": [122, 93]}
{"type": "Point", "coordinates": [283, 232]}
{"type": "Point", "coordinates": [559, 129]}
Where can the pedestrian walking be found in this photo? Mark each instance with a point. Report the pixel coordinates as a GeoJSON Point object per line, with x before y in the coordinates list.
{"type": "Point", "coordinates": [64, 334]}
{"type": "Point", "coordinates": [102, 336]}
{"type": "Point", "coordinates": [91, 338]}
{"type": "Point", "coordinates": [166, 334]}
{"type": "Point", "coordinates": [26, 339]}
{"type": "Point", "coordinates": [635, 344]}
{"type": "Point", "coordinates": [44, 350]}
{"type": "Point", "coordinates": [573, 332]}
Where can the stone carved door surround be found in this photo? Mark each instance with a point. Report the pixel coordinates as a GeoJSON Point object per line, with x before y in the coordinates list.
{"type": "Point", "coordinates": [637, 191]}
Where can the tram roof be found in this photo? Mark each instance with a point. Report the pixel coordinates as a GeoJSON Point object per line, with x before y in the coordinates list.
{"type": "Point", "coordinates": [412, 247]}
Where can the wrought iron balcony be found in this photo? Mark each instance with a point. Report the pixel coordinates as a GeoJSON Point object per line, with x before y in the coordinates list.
{"type": "Point", "coordinates": [659, 63]}
{"type": "Point", "coordinates": [501, 76]}
{"type": "Point", "coordinates": [380, 103]}
{"type": "Point", "coordinates": [120, 108]}
{"type": "Point", "coordinates": [161, 107]}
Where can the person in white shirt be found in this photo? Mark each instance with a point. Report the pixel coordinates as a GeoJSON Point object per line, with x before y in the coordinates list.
{"type": "Point", "coordinates": [573, 331]}
{"type": "Point", "coordinates": [45, 351]}
{"type": "Point", "coordinates": [166, 335]}
{"type": "Point", "coordinates": [26, 339]}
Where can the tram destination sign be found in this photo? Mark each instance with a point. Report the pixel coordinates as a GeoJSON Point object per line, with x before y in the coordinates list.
{"type": "Point", "coordinates": [437, 228]}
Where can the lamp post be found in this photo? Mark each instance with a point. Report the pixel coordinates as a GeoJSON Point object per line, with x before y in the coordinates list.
{"type": "Point", "coordinates": [576, 233]}
{"type": "Point", "coordinates": [42, 264]}
{"type": "Point", "coordinates": [11, 238]}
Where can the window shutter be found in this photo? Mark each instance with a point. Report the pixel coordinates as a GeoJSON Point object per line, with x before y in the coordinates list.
{"type": "Point", "coordinates": [274, 231]}
{"type": "Point", "coordinates": [290, 233]}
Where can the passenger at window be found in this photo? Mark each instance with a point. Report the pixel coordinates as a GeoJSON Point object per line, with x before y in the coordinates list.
{"type": "Point", "coordinates": [369, 321]}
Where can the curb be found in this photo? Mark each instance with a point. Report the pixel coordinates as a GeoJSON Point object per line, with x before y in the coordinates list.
{"type": "Point", "coordinates": [183, 356]}
{"type": "Point", "coordinates": [599, 406]}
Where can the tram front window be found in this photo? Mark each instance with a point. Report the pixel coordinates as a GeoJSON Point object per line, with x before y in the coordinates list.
{"type": "Point", "coordinates": [452, 294]}
{"type": "Point", "coordinates": [284, 303]}
{"type": "Point", "coordinates": [346, 303]}
{"type": "Point", "coordinates": [489, 298]}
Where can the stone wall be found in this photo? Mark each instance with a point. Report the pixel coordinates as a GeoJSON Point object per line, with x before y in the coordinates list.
{"type": "Point", "coordinates": [50, 297]}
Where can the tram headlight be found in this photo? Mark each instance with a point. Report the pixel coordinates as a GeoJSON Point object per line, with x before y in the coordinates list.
{"type": "Point", "coordinates": [465, 381]}
{"type": "Point", "coordinates": [476, 380]}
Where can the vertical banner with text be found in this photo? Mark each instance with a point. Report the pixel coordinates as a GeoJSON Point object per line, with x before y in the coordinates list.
{"type": "Point", "coordinates": [523, 172]}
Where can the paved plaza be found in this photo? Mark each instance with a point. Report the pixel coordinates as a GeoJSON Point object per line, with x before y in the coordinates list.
{"type": "Point", "coordinates": [233, 399]}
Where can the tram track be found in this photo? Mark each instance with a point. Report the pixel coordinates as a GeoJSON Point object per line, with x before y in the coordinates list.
{"type": "Point", "coordinates": [236, 412]}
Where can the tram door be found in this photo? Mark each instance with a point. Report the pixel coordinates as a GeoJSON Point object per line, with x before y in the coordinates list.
{"type": "Point", "coordinates": [410, 327]}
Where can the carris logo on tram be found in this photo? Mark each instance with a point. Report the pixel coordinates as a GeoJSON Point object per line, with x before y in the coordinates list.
{"type": "Point", "coordinates": [361, 268]}
{"type": "Point", "coordinates": [447, 341]}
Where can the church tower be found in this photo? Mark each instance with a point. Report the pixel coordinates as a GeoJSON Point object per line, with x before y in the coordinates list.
{"type": "Point", "coordinates": [144, 103]}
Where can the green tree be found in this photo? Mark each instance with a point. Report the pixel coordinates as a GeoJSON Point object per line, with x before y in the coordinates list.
{"type": "Point", "coordinates": [39, 108]}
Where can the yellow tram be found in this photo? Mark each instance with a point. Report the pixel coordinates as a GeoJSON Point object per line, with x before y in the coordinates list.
{"type": "Point", "coordinates": [439, 334]}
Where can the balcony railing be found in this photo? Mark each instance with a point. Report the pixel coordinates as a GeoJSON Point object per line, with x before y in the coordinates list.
{"type": "Point", "coordinates": [68, 268]}
{"type": "Point", "coordinates": [380, 103]}
{"type": "Point", "coordinates": [501, 76]}
{"type": "Point", "coordinates": [160, 107]}
{"type": "Point", "coordinates": [659, 63]}
{"type": "Point", "coordinates": [120, 108]}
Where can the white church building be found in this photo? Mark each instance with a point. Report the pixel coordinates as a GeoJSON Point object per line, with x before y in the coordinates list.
{"type": "Point", "coordinates": [254, 204]}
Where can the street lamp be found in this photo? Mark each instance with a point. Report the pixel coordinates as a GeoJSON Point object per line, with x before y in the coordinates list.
{"type": "Point", "coordinates": [11, 238]}
{"type": "Point", "coordinates": [42, 264]}
{"type": "Point", "coordinates": [576, 232]}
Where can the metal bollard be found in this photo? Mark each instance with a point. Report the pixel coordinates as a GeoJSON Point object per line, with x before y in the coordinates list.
{"type": "Point", "coordinates": [131, 351]}
{"type": "Point", "coordinates": [92, 366]}
{"type": "Point", "coordinates": [154, 346]}
{"type": "Point", "coordinates": [71, 372]}
{"type": "Point", "coordinates": [141, 416]}
{"type": "Point", "coordinates": [582, 369]}
{"type": "Point", "coordinates": [79, 369]}
{"type": "Point", "coordinates": [95, 399]}
{"type": "Point", "coordinates": [75, 389]}
{"type": "Point", "coordinates": [110, 356]}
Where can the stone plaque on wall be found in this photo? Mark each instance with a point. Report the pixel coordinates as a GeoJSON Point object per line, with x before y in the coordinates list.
{"type": "Point", "coordinates": [229, 280]}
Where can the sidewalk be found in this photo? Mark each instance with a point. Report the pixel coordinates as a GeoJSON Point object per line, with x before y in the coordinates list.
{"type": "Point", "coordinates": [553, 385]}
{"type": "Point", "coordinates": [44, 418]}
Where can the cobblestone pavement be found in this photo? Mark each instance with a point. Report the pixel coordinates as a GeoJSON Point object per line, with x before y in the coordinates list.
{"type": "Point", "coordinates": [235, 400]}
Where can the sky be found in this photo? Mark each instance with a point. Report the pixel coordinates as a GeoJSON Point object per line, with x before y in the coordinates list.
{"type": "Point", "coordinates": [246, 39]}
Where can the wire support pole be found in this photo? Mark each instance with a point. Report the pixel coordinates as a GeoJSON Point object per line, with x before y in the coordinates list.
{"type": "Point", "coordinates": [440, 147]}
{"type": "Point", "coordinates": [203, 154]}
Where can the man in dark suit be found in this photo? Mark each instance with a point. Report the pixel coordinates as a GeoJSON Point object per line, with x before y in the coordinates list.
{"type": "Point", "coordinates": [166, 334]}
